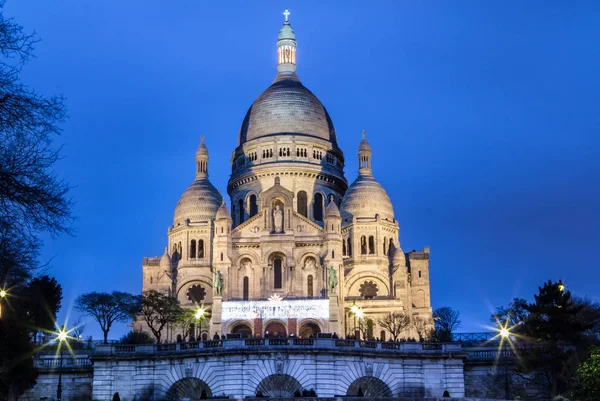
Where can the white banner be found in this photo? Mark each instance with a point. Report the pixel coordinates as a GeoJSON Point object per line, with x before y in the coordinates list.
{"type": "Point", "coordinates": [278, 309]}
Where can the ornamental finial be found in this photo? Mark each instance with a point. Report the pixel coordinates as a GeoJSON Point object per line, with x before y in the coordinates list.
{"type": "Point", "coordinates": [364, 134]}
{"type": "Point", "coordinates": [202, 138]}
{"type": "Point", "coordinates": [286, 13]}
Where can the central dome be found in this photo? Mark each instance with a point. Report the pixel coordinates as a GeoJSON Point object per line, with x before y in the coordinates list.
{"type": "Point", "coordinates": [287, 107]}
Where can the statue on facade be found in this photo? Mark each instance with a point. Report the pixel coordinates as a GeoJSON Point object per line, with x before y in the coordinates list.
{"type": "Point", "coordinates": [333, 280]}
{"type": "Point", "coordinates": [218, 283]}
{"type": "Point", "coordinates": [278, 219]}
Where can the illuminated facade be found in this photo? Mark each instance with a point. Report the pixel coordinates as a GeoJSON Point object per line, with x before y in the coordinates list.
{"type": "Point", "coordinates": [298, 247]}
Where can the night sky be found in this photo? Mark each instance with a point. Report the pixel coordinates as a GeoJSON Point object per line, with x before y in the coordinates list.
{"type": "Point", "coordinates": [484, 120]}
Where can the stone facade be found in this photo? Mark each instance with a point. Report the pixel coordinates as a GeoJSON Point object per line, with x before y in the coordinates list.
{"type": "Point", "coordinates": [295, 229]}
{"type": "Point", "coordinates": [239, 370]}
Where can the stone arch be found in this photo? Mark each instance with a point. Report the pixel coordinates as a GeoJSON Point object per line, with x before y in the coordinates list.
{"type": "Point", "coordinates": [241, 327]}
{"type": "Point", "coordinates": [420, 299]}
{"type": "Point", "coordinates": [309, 328]}
{"type": "Point", "coordinates": [352, 283]}
{"type": "Point", "coordinates": [275, 325]}
{"type": "Point", "coordinates": [252, 203]}
{"type": "Point", "coordinates": [190, 388]}
{"type": "Point", "coordinates": [278, 385]}
{"type": "Point", "coordinates": [369, 387]}
{"type": "Point", "coordinates": [184, 287]}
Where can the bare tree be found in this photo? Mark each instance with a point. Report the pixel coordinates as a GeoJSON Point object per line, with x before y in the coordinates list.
{"type": "Point", "coordinates": [159, 310]}
{"type": "Point", "coordinates": [396, 323]}
{"type": "Point", "coordinates": [108, 308]}
{"type": "Point", "coordinates": [423, 326]}
{"type": "Point", "coordinates": [446, 320]}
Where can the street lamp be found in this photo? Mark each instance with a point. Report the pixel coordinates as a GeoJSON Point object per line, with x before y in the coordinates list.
{"type": "Point", "coordinates": [61, 337]}
{"type": "Point", "coordinates": [561, 286]}
{"type": "Point", "coordinates": [3, 294]}
{"type": "Point", "coordinates": [504, 338]}
{"type": "Point", "coordinates": [199, 315]}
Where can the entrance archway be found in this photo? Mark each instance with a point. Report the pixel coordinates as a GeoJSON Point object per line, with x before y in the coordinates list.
{"type": "Point", "coordinates": [309, 330]}
{"type": "Point", "coordinates": [369, 387]}
{"type": "Point", "coordinates": [243, 329]}
{"type": "Point", "coordinates": [275, 329]}
{"type": "Point", "coordinates": [283, 386]}
{"type": "Point", "coordinates": [190, 388]}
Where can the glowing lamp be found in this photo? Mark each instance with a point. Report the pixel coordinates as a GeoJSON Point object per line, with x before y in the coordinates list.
{"type": "Point", "coordinates": [359, 314]}
{"type": "Point", "coordinates": [561, 286]}
{"type": "Point", "coordinates": [2, 293]}
{"type": "Point", "coordinates": [199, 313]}
{"type": "Point", "coordinates": [504, 333]}
{"type": "Point", "coordinates": [62, 335]}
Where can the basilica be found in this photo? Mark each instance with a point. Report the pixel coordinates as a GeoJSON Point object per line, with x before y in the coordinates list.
{"type": "Point", "coordinates": [298, 251]}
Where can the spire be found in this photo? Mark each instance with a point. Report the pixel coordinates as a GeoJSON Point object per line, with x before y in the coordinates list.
{"type": "Point", "coordinates": [201, 160]}
{"type": "Point", "coordinates": [286, 47]}
{"type": "Point", "coordinates": [364, 156]}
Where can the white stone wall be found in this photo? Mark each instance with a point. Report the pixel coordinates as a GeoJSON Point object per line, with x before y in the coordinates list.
{"type": "Point", "coordinates": [239, 374]}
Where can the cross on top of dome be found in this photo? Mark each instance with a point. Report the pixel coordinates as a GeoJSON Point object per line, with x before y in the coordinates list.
{"type": "Point", "coordinates": [286, 13]}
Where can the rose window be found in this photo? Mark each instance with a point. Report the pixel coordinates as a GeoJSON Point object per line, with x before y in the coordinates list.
{"type": "Point", "coordinates": [368, 290]}
{"type": "Point", "coordinates": [196, 293]}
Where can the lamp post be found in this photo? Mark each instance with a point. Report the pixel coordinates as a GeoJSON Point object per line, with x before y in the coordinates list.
{"type": "Point", "coordinates": [504, 337]}
{"type": "Point", "coordinates": [61, 336]}
{"type": "Point", "coordinates": [200, 312]}
{"type": "Point", "coordinates": [2, 296]}
{"type": "Point", "coordinates": [355, 310]}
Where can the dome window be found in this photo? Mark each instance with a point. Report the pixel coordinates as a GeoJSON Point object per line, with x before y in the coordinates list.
{"type": "Point", "coordinates": [318, 207]}
{"type": "Point", "coordinates": [302, 203]}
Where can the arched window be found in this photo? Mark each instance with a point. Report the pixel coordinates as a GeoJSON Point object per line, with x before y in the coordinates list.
{"type": "Point", "coordinates": [277, 274]}
{"type": "Point", "coordinates": [200, 249]}
{"type": "Point", "coordinates": [309, 286]}
{"type": "Point", "coordinates": [246, 288]}
{"type": "Point", "coordinates": [332, 254]}
{"type": "Point", "coordinates": [193, 249]}
{"type": "Point", "coordinates": [221, 256]}
{"type": "Point", "coordinates": [385, 246]}
{"type": "Point", "coordinates": [241, 210]}
{"type": "Point", "coordinates": [318, 207]}
{"type": "Point", "coordinates": [371, 245]}
{"type": "Point", "coordinates": [382, 335]}
{"type": "Point", "coordinates": [253, 205]}
{"type": "Point", "coordinates": [349, 247]}
{"type": "Point", "coordinates": [391, 247]}
{"type": "Point", "coordinates": [363, 245]}
{"type": "Point", "coordinates": [302, 204]}
{"type": "Point", "coordinates": [344, 250]}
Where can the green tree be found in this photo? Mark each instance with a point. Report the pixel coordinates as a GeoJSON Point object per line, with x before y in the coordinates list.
{"type": "Point", "coordinates": [587, 378]}
{"type": "Point", "coordinates": [159, 310]}
{"type": "Point", "coordinates": [513, 316]}
{"type": "Point", "coordinates": [446, 320]}
{"type": "Point", "coordinates": [108, 308]}
{"type": "Point", "coordinates": [552, 331]}
{"type": "Point", "coordinates": [42, 298]}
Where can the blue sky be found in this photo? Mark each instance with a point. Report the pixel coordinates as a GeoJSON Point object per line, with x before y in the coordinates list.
{"type": "Point", "coordinates": [484, 119]}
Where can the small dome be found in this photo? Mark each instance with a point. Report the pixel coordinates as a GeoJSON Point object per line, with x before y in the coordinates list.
{"type": "Point", "coordinates": [366, 198]}
{"type": "Point", "coordinates": [399, 257]}
{"type": "Point", "coordinates": [332, 210]}
{"type": "Point", "coordinates": [165, 260]}
{"type": "Point", "coordinates": [202, 149]}
{"type": "Point", "coordinates": [286, 32]}
{"type": "Point", "coordinates": [223, 212]}
{"type": "Point", "coordinates": [199, 202]}
{"type": "Point", "coordinates": [287, 107]}
{"type": "Point", "coordinates": [364, 145]}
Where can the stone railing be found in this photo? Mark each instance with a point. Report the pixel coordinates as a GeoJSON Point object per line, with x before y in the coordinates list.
{"type": "Point", "coordinates": [281, 343]}
{"type": "Point", "coordinates": [53, 361]}
{"type": "Point", "coordinates": [489, 354]}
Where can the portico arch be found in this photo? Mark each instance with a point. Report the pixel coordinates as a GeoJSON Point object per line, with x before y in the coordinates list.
{"type": "Point", "coordinates": [189, 388]}
{"type": "Point", "coordinates": [369, 387]}
{"type": "Point", "coordinates": [309, 329]}
{"type": "Point", "coordinates": [278, 385]}
{"type": "Point", "coordinates": [275, 328]}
